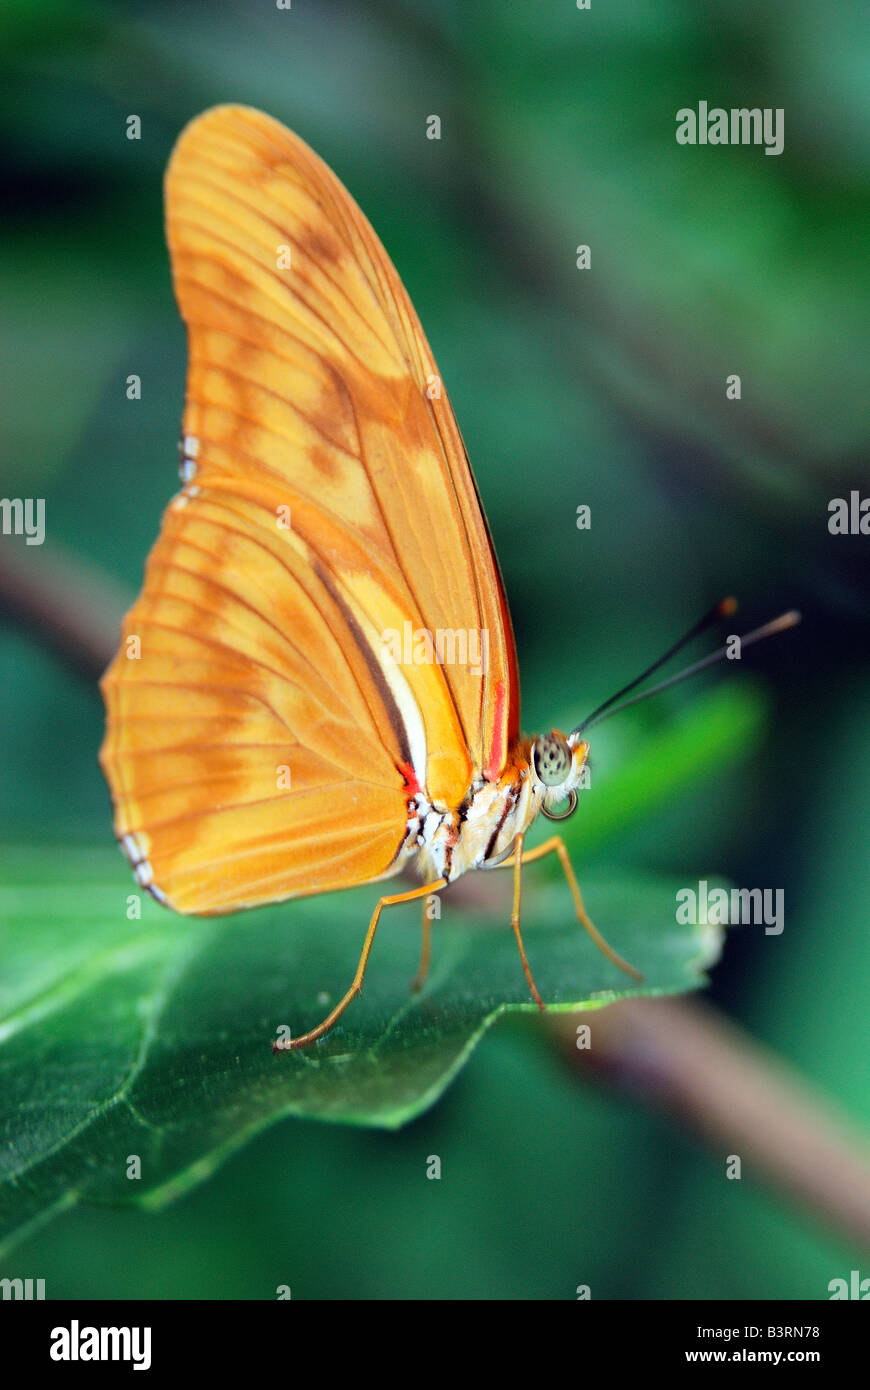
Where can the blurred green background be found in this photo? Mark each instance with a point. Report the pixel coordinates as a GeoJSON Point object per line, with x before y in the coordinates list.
{"type": "Point", "coordinates": [604, 387]}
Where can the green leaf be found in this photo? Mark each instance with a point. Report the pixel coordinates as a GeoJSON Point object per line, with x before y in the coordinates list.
{"type": "Point", "coordinates": [152, 1037]}
{"type": "Point", "coordinates": [721, 727]}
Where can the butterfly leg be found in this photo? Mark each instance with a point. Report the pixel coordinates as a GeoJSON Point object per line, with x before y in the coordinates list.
{"type": "Point", "coordinates": [425, 950]}
{"type": "Point", "coordinates": [556, 845]}
{"type": "Point", "coordinates": [305, 1038]}
{"type": "Point", "coordinates": [516, 863]}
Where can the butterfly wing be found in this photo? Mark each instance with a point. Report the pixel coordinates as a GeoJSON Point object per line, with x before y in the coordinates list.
{"type": "Point", "coordinates": [272, 710]}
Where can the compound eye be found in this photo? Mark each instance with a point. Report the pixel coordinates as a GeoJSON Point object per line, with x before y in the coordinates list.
{"type": "Point", "coordinates": [552, 760]}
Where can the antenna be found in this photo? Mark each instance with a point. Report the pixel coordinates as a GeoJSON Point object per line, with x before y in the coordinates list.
{"type": "Point", "coordinates": [721, 610]}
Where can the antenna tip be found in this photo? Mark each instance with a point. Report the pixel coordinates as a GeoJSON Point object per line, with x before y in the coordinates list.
{"type": "Point", "coordinates": [727, 607]}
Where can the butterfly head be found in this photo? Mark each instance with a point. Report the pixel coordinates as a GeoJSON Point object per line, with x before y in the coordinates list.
{"type": "Point", "coordinates": [557, 766]}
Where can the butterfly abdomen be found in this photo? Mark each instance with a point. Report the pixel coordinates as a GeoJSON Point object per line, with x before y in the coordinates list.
{"type": "Point", "coordinates": [482, 832]}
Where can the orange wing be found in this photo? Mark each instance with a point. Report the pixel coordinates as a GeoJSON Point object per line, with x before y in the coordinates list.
{"type": "Point", "coordinates": [268, 714]}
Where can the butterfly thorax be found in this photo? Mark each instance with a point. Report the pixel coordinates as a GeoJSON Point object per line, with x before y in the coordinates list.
{"type": "Point", "coordinates": [482, 832]}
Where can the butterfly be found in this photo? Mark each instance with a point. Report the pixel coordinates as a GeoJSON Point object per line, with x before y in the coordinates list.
{"type": "Point", "coordinates": [317, 687]}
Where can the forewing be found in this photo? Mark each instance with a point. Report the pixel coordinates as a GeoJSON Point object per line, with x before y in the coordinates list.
{"type": "Point", "coordinates": [267, 728]}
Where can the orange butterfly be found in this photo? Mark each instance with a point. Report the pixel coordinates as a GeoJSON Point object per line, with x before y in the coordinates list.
{"type": "Point", "coordinates": [318, 684]}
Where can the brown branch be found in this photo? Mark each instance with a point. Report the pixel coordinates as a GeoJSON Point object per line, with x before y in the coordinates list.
{"type": "Point", "coordinates": [684, 1057]}
{"type": "Point", "coordinates": [73, 610]}
{"type": "Point", "coordinates": [679, 1055]}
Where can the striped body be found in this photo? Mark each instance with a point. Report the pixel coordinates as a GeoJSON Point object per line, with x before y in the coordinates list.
{"type": "Point", "coordinates": [482, 832]}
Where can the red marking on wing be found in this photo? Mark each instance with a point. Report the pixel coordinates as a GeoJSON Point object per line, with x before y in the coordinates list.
{"type": "Point", "coordinates": [498, 751]}
{"type": "Point", "coordinates": [410, 777]}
